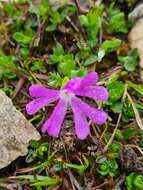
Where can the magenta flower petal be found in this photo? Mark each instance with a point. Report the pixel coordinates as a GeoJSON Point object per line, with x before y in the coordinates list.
{"type": "Point", "coordinates": [98, 93]}
{"type": "Point", "coordinates": [38, 103]}
{"type": "Point", "coordinates": [96, 115]}
{"type": "Point", "coordinates": [73, 84]}
{"type": "Point", "coordinates": [37, 90]}
{"type": "Point", "coordinates": [77, 84]}
{"type": "Point", "coordinates": [81, 125]}
{"type": "Point", "coordinates": [53, 124]}
{"type": "Point", "coordinates": [90, 79]}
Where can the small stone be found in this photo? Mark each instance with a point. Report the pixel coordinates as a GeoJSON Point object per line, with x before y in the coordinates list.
{"type": "Point", "coordinates": [15, 132]}
{"type": "Point", "coordinates": [136, 34]}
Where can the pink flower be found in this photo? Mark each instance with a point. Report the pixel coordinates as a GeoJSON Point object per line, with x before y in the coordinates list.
{"type": "Point", "coordinates": [67, 96]}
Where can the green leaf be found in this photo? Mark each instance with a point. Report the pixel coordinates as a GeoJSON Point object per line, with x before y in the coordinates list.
{"type": "Point", "coordinates": [130, 62]}
{"type": "Point", "coordinates": [116, 90]}
{"type": "Point", "coordinates": [117, 23]}
{"type": "Point", "coordinates": [42, 149]}
{"type": "Point", "coordinates": [138, 88]}
{"type": "Point", "coordinates": [21, 38]}
{"type": "Point", "coordinates": [65, 61]}
{"type": "Point", "coordinates": [110, 45]}
{"type": "Point", "coordinates": [138, 182]}
{"type": "Point", "coordinates": [53, 59]}
{"type": "Point", "coordinates": [103, 168]}
{"type": "Point", "coordinates": [129, 181]}
{"type": "Point", "coordinates": [115, 146]}
{"type": "Point", "coordinates": [58, 50]}
{"type": "Point", "coordinates": [112, 10]}
{"type": "Point", "coordinates": [6, 66]}
{"type": "Point", "coordinates": [38, 65]}
{"type": "Point", "coordinates": [117, 107]}
{"type": "Point", "coordinates": [113, 167]}
{"type": "Point", "coordinates": [100, 55]}
{"type": "Point", "coordinates": [84, 20]}
{"type": "Point", "coordinates": [128, 111]}
{"type": "Point", "coordinates": [51, 28]}
{"type": "Point", "coordinates": [66, 65]}
{"type": "Point", "coordinates": [65, 81]}
{"type": "Point", "coordinates": [129, 133]}
{"type": "Point", "coordinates": [113, 78]}
{"type": "Point", "coordinates": [24, 52]}
{"type": "Point", "coordinates": [80, 168]}
{"type": "Point", "coordinates": [139, 106]}
{"type": "Point", "coordinates": [11, 10]}
{"type": "Point", "coordinates": [40, 180]}
{"type": "Point", "coordinates": [34, 144]}
{"type": "Point", "coordinates": [43, 8]}
{"type": "Point", "coordinates": [108, 167]}
{"type": "Point", "coordinates": [119, 135]}
{"type": "Point", "coordinates": [55, 80]}
{"type": "Point", "coordinates": [90, 60]}
{"type": "Point", "coordinates": [79, 72]}
{"type": "Point", "coordinates": [92, 22]}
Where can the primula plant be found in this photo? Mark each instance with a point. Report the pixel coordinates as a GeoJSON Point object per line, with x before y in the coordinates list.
{"type": "Point", "coordinates": [49, 52]}
{"type": "Point", "coordinates": [84, 87]}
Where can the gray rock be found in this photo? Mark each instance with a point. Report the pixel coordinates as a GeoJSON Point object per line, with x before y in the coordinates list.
{"type": "Point", "coordinates": [15, 132]}
{"type": "Point", "coordinates": [137, 13]}
{"type": "Point", "coordinates": [136, 34]}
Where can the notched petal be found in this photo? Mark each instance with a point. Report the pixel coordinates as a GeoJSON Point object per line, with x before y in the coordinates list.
{"type": "Point", "coordinates": [98, 93]}
{"type": "Point", "coordinates": [82, 129]}
{"type": "Point", "coordinates": [53, 124]}
{"type": "Point", "coordinates": [35, 105]}
{"type": "Point", "coordinates": [37, 90]}
{"type": "Point", "coordinates": [90, 79]}
{"type": "Point", "coordinates": [38, 103]}
{"type": "Point", "coordinates": [95, 114]}
{"type": "Point", "coordinates": [98, 116]}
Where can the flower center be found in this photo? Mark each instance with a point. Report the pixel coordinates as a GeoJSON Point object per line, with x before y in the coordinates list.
{"type": "Point", "coordinates": [66, 95]}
